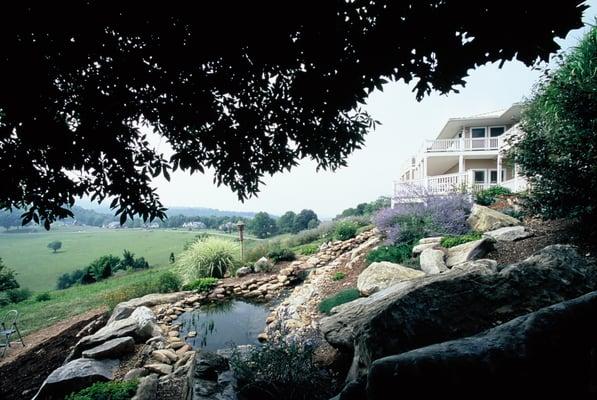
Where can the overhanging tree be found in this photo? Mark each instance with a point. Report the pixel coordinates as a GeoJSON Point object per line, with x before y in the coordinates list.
{"type": "Point", "coordinates": [245, 88]}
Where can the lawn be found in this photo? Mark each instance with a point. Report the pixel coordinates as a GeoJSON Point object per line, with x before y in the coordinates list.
{"type": "Point", "coordinates": [66, 303]}
{"type": "Point", "coordinates": [38, 268]}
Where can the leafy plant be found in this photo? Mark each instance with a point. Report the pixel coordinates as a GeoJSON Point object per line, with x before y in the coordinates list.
{"type": "Point", "coordinates": [393, 253]}
{"type": "Point", "coordinates": [518, 214]}
{"type": "Point", "coordinates": [17, 295]}
{"type": "Point", "coordinates": [307, 249]}
{"type": "Point", "coordinates": [43, 296]}
{"type": "Point", "coordinates": [7, 278]}
{"type": "Point", "coordinates": [451, 241]}
{"type": "Point", "coordinates": [201, 285]}
{"type": "Point", "coordinates": [435, 215]}
{"type": "Point", "coordinates": [169, 282]}
{"type": "Point", "coordinates": [212, 257]}
{"type": "Point", "coordinates": [117, 390]}
{"type": "Point", "coordinates": [557, 150]}
{"type": "Point", "coordinates": [338, 276]}
{"type": "Point", "coordinates": [284, 254]}
{"type": "Point", "coordinates": [343, 296]}
{"type": "Point", "coordinates": [345, 230]}
{"type": "Point", "coordinates": [281, 369]}
{"type": "Point", "coordinates": [487, 197]}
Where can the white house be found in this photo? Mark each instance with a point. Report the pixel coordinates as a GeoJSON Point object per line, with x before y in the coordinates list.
{"type": "Point", "coordinates": [194, 225]}
{"type": "Point", "coordinates": [466, 154]}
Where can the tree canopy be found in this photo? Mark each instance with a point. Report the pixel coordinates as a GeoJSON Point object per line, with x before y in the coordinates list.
{"type": "Point", "coordinates": [262, 225]}
{"type": "Point", "coordinates": [244, 88]}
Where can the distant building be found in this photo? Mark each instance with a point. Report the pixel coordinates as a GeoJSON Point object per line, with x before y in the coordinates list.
{"type": "Point", "coordinates": [112, 225]}
{"type": "Point", "coordinates": [194, 225]}
{"type": "Point", "coordinates": [152, 225]}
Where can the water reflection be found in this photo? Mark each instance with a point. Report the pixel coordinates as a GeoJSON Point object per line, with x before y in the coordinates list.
{"type": "Point", "coordinates": [222, 324]}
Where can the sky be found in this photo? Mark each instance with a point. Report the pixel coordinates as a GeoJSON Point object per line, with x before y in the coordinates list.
{"type": "Point", "coordinates": [371, 170]}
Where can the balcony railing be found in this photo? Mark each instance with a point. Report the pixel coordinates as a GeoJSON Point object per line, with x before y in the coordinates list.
{"type": "Point", "coordinates": [462, 144]}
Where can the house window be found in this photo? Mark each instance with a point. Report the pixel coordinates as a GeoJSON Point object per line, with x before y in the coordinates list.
{"type": "Point", "coordinates": [495, 131]}
{"type": "Point", "coordinates": [479, 176]}
{"type": "Point", "coordinates": [478, 133]}
{"type": "Point", "coordinates": [493, 175]}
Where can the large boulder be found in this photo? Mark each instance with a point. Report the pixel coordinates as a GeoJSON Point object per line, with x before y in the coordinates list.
{"type": "Point", "coordinates": [380, 275]}
{"type": "Point", "coordinates": [75, 376]}
{"type": "Point", "coordinates": [463, 302]}
{"type": "Point", "coordinates": [432, 261]}
{"type": "Point", "coordinates": [546, 354]}
{"type": "Point", "coordinates": [125, 309]}
{"type": "Point", "coordinates": [263, 265]}
{"type": "Point", "coordinates": [484, 219]}
{"type": "Point", "coordinates": [111, 349]}
{"type": "Point", "coordinates": [468, 251]}
{"type": "Point", "coordinates": [509, 234]}
{"type": "Point", "coordinates": [140, 325]}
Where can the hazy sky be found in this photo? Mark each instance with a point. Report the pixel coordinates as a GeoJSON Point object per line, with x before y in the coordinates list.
{"type": "Point", "coordinates": [371, 170]}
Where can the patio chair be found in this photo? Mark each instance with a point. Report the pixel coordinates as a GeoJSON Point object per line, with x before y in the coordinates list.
{"type": "Point", "coordinates": [8, 327]}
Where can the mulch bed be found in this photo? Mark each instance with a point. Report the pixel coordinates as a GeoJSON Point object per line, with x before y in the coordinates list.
{"type": "Point", "coordinates": [545, 233]}
{"type": "Point", "coordinates": [23, 373]}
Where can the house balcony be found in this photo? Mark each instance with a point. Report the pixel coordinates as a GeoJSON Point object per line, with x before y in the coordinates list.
{"type": "Point", "coordinates": [461, 145]}
{"type": "Point", "coordinates": [450, 183]}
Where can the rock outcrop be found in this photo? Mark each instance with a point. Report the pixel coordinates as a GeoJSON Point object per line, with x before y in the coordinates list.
{"type": "Point", "coordinates": [462, 302]}
{"type": "Point", "coordinates": [483, 219]}
{"type": "Point", "coordinates": [432, 261]}
{"type": "Point", "coordinates": [111, 349]}
{"type": "Point", "coordinates": [509, 234]}
{"type": "Point", "coordinates": [380, 275]}
{"type": "Point", "coordinates": [125, 309]}
{"type": "Point", "coordinates": [549, 353]}
{"type": "Point", "coordinates": [74, 376]}
{"type": "Point", "coordinates": [468, 251]}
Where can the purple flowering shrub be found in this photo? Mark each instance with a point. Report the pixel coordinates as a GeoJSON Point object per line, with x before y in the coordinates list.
{"type": "Point", "coordinates": [431, 215]}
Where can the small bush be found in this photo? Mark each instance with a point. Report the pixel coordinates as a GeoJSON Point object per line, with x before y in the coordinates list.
{"type": "Point", "coordinates": [451, 241]}
{"type": "Point", "coordinates": [345, 230]}
{"type": "Point", "coordinates": [489, 196]}
{"type": "Point", "coordinates": [7, 277]}
{"type": "Point", "coordinates": [518, 214]}
{"type": "Point", "coordinates": [201, 284]}
{"type": "Point", "coordinates": [396, 253]}
{"type": "Point", "coordinates": [341, 297]}
{"type": "Point", "coordinates": [260, 249]}
{"type": "Point", "coordinates": [43, 296]}
{"type": "Point", "coordinates": [17, 295]}
{"type": "Point", "coordinates": [338, 276]}
{"type": "Point", "coordinates": [212, 257]}
{"type": "Point", "coordinates": [281, 369]}
{"type": "Point", "coordinates": [169, 282]}
{"type": "Point", "coordinates": [117, 390]}
{"type": "Point", "coordinates": [307, 249]}
{"type": "Point", "coordinates": [278, 255]}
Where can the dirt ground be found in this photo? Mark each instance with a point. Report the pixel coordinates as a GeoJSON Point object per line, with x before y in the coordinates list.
{"type": "Point", "coordinates": [24, 369]}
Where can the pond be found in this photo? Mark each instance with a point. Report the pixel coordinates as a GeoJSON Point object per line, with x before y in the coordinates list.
{"type": "Point", "coordinates": [222, 325]}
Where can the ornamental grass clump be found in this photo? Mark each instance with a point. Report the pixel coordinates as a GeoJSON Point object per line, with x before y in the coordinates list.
{"type": "Point", "coordinates": [211, 257]}
{"type": "Point", "coordinates": [431, 215]}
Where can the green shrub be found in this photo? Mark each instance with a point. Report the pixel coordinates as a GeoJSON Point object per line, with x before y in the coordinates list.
{"type": "Point", "coordinates": [341, 297]}
{"type": "Point", "coordinates": [277, 255]}
{"type": "Point", "coordinates": [518, 214]}
{"type": "Point", "coordinates": [169, 282]}
{"type": "Point", "coordinates": [345, 230]}
{"type": "Point", "coordinates": [201, 284]}
{"type": "Point", "coordinates": [489, 196]}
{"type": "Point", "coordinates": [338, 276]}
{"type": "Point", "coordinates": [307, 249]}
{"type": "Point", "coordinates": [7, 277]}
{"type": "Point", "coordinates": [451, 241]}
{"type": "Point", "coordinates": [396, 253]}
{"type": "Point", "coordinates": [117, 390]}
{"type": "Point", "coordinates": [260, 249]}
{"type": "Point", "coordinates": [17, 295]}
{"type": "Point", "coordinates": [281, 369]}
{"type": "Point", "coordinates": [212, 257]}
{"type": "Point", "coordinates": [43, 296]}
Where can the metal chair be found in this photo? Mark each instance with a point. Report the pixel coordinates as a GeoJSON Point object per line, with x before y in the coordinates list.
{"type": "Point", "coordinates": [8, 327]}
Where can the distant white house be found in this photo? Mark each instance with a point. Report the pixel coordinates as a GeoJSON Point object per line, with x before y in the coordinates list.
{"type": "Point", "coordinates": [194, 225]}
{"type": "Point", "coordinates": [467, 154]}
{"type": "Point", "coordinates": [152, 225]}
{"type": "Point", "coordinates": [112, 225]}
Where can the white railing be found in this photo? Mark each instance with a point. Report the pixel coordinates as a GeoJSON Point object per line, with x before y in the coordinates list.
{"type": "Point", "coordinates": [446, 183]}
{"type": "Point", "coordinates": [517, 184]}
{"type": "Point", "coordinates": [462, 144]}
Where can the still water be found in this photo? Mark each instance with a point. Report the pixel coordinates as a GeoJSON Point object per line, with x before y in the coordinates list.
{"type": "Point", "coordinates": [221, 325]}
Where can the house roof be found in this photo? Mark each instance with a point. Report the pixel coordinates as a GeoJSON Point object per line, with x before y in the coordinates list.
{"type": "Point", "coordinates": [506, 116]}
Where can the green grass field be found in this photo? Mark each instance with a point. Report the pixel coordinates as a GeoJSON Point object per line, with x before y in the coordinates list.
{"type": "Point", "coordinates": [38, 268]}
